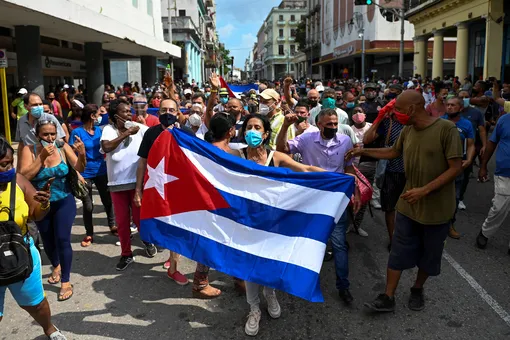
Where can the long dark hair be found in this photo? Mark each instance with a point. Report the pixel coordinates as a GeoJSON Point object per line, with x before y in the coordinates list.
{"type": "Point", "coordinates": [219, 126]}
{"type": "Point", "coordinates": [265, 123]}
{"type": "Point", "coordinates": [4, 147]}
{"type": "Point", "coordinates": [87, 112]}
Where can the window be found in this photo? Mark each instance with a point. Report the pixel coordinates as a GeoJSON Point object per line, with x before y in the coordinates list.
{"type": "Point", "coordinates": [64, 43]}
{"type": "Point", "coordinates": [149, 7]}
{"type": "Point", "coordinates": [135, 3]}
{"type": "Point", "coordinates": [280, 50]}
{"type": "Point", "coordinates": [182, 12]}
{"type": "Point", "coordinates": [292, 18]}
{"type": "Point", "coordinates": [292, 32]}
{"type": "Point", "coordinates": [50, 41]}
{"type": "Point", "coordinates": [479, 48]}
{"type": "Point", "coordinates": [280, 33]}
{"type": "Point", "coordinates": [292, 49]}
{"type": "Point", "coordinates": [292, 67]}
{"type": "Point", "coordinates": [165, 30]}
{"type": "Point", "coordinates": [303, 17]}
{"type": "Point", "coordinates": [78, 47]}
{"type": "Point", "coordinates": [280, 17]}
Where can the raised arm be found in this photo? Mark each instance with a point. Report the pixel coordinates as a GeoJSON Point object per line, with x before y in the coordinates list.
{"type": "Point", "coordinates": [27, 165]}
{"type": "Point", "coordinates": [214, 80]}
{"type": "Point", "coordinates": [285, 161]}
{"type": "Point", "coordinates": [77, 162]}
{"type": "Point", "coordinates": [286, 91]}
{"type": "Point", "coordinates": [281, 141]}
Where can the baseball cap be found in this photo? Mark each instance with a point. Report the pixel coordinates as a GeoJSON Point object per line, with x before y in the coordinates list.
{"type": "Point", "coordinates": [22, 91]}
{"type": "Point", "coordinates": [223, 91]}
{"type": "Point", "coordinates": [66, 86]}
{"type": "Point", "coordinates": [270, 94]}
{"type": "Point", "coordinates": [187, 91]}
{"type": "Point", "coordinates": [371, 86]}
{"type": "Point", "coordinates": [319, 88]}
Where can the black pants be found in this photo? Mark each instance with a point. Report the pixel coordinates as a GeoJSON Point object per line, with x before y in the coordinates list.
{"type": "Point", "coordinates": [101, 183]}
{"type": "Point", "coordinates": [465, 181]}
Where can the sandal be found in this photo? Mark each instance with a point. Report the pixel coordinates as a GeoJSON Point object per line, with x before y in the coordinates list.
{"type": "Point", "coordinates": [87, 241]}
{"type": "Point", "coordinates": [114, 230]}
{"type": "Point", "coordinates": [63, 292]}
{"type": "Point", "coordinates": [54, 279]}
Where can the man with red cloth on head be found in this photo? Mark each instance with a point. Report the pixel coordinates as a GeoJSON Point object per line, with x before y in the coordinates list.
{"type": "Point", "coordinates": [386, 128]}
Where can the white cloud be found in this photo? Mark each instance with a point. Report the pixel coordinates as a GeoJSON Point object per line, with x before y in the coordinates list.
{"type": "Point", "coordinates": [226, 31]}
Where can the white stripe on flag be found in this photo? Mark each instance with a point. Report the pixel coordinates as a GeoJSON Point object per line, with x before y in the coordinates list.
{"type": "Point", "coordinates": [300, 251]}
{"type": "Point", "coordinates": [282, 195]}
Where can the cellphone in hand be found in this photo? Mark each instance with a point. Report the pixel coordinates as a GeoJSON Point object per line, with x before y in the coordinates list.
{"type": "Point", "coordinates": [301, 119]}
{"type": "Point", "coordinates": [47, 186]}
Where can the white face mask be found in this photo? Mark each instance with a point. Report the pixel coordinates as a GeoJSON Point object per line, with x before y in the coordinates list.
{"type": "Point", "coordinates": [195, 119]}
{"type": "Point", "coordinates": [128, 124]}
{"type": "Point", "coordinates": [264, 109]}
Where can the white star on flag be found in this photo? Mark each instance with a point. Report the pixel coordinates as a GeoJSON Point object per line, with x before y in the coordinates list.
{"type": "Point", "coordinates": [158, 178]}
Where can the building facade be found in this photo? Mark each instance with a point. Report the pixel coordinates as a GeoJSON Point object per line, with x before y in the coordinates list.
{"type": "Point", "coordinates": [75, 41]}
{"type": "Point", "coordinates": [480, 27]}
{"type": "Point", "coordinates": [193, 25]}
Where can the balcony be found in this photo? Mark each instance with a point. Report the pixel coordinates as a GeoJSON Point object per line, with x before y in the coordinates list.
{"type": "Point", "coordinates": [292, 39]}
{"type": "Point", "coordinates": [293, 22]}
{"type": "Point", "coordinates": [416, 6]}
{"type": "Point", "coordinates": [281, 39]}
{"type": "Point", "coordinates": [267, 28]}
{"type": "Point", "coordinates": [281, 22]}
{"type": "Point", "coordinates": [268, 42]}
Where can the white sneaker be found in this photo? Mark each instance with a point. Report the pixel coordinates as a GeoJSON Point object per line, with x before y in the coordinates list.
{"type": "Point", "coordinates": [461, 205]}
{"type": "Point", "coordinates": [362, 232]}
{"type": "Point", "coordinates": [375, 204]}
{"type": "Point", "coordinates": [252, 324]}
{"type": "Point", "coordinates": [273, 307]}
{"type": "Point", "coordinates": [133, 228]}
{"type": "Point", "coordinates": [79, 203]}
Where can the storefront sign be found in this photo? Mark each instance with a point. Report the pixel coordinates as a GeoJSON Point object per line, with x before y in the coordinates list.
{"type": "Point", "coordinates": [3, 58]}
{"type": "Point", "coordinates": [343, 51]}
{"type": "Point", "coordinates": [52, 63]}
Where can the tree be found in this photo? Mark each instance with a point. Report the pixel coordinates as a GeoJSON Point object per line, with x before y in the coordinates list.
{"type": "Point", "coordinates": [225, 60]}
{"type": "Point", "coordinates": [301, 35]}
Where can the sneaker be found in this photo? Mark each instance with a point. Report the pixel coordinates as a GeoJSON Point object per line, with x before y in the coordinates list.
{"type": "Point", "coordinates": [150, 249]}
{"type": "Point", "coordinates": [383, 303]}
{"type": "Point", "coordinates": [362, 232]}
{"type": "Point", "coordinates": [252, 324]}
{"type": "Point", "coordinates": [481, 240]}
{"type": "Point", "coordinates": [124, 262]}
{"type": "Point", "coordinates": [178, 278]}
{"type": "Point", "coordinates": [461, 205]}
{"type": "Point", "coordinates": [375, 204]}
{"type": "Point", "coordinates": [133, 228]}
{"type": "Point", "coordinates": [346, 296]}
{"type": "Point", "coordinates": [416, 299]}
{"type": "Point", "coordinates": [57, 335]}
{"type": "Point", "coordinates": [273, 307]}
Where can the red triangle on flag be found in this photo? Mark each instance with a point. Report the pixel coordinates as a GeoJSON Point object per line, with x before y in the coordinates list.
{"type": "Point", "coordinates": [177, 186]}
{"type": "Point", "coordinates": [225, 85]}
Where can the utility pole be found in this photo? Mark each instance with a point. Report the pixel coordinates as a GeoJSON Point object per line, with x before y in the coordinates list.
{"type": "Point", "coordinates": [170, 37]}
{"type": "Point", "coordinates": [401, 56]}
{"type": "Point", "coordinates": [232, 71]}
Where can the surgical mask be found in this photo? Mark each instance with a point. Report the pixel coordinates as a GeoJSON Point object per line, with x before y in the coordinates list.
{"type": "Point", "coordinates": [195, 119]}
{"type": "Point", "coordinates": [329, 132]}
{"type": "Point", "coordinates": [466, 102]}
{"type": "Point", "coordinates": [264, 109]}
{"type": "Point", "coordinates": [391, 96]}
{"type": "Point", "coordinates": [253, 138]}
{"type": "Point", "coordinates": [37, 111]}
{"type": "Point", "coordinates": [350, 105]}
{"type": "Point", "coordinates": [45, 143]}
{"type": "Point", "coordinates": [245, 107]}
{"type": "Point", "coordinates": [207, 94]}
{"type": "Point", "coordinates": [328, 103]}
{"type": "Point", "coordinates": [167, 119]}
{"type": "Point", "coordinates": [98, 121]}
{"type": "Point", "coordinates": [7, 176]}
{"type": "Point", "coordinates": [128, 124]}
{"type": "Point", "coordinates": [224, 100]}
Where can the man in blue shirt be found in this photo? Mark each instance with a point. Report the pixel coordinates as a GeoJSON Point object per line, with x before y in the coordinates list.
{"type": "Point", "coordinates": [501, 201]}
{"type": "Point", "coordinates": [454, 107]}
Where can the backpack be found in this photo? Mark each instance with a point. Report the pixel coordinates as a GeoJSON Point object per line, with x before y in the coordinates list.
{"type": "Point", "coordinates": [15, 257]}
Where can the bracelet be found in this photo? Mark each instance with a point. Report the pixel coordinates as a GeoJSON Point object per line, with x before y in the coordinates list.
{"type": "Point", "coordinates": [45, 207]}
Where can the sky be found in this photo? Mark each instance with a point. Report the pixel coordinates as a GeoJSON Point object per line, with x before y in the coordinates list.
{"type": "Point", "coordinates": [237, 23]}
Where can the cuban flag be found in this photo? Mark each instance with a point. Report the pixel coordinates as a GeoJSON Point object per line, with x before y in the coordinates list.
{"type": "Point", "coordinates": [262, 224]}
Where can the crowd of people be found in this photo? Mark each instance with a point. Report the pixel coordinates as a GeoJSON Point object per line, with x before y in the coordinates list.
{"type": "Point", "coordinates": [411, 144]}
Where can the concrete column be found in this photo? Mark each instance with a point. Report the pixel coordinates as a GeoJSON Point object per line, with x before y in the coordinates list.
{"type": "Point", "coordinates": [461, 52]}
{"type": "Point", "coordinates": [437, 56]}
{"type": "Point", "coordinates": [28, 51]}
{"type": "Point", "coordinates": [149, 69]}
{"type": "Point", "coordinates": [107, 71]}
{"type": "Point", "coordinates": [493, 40]}
{"type": "Point", "coordinates": [95, 72]}
{"type": "Point", "coordinates": [187, 56]}
{"type": "Point", "coordinates": [421, 55]}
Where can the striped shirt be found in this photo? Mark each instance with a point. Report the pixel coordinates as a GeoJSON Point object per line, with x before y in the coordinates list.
{"type": "Point", "coordinates": [397, 164]}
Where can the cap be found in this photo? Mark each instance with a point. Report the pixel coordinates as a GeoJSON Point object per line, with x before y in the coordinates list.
{"type": "Point", "coordinates": [270, 94]}
{"type": "Point", "coordinates": [223, 91]}
{"type": "Point", "coordinates": [319, 88]}
{"type": "Point", "coordinates": [187, 91]}
{"type": "Point", "coordinates": [371, 86]}
{"type": "Point", "coordinates": [396, 87]}
{"type": "Point", "coordinates": [253, 96]}
{"type": "Point", "coordinates": [22, 91]}
{"type": "Point", "coordinates": [66, 86]}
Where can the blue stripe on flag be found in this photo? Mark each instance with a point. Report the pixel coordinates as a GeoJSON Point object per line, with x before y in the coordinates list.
{"type": "Point", "coordinates": [327, 181]}
{"type": "Point", "coordinates": [287, 277]}
{"type": "Point", "coordinates": [264, 217]}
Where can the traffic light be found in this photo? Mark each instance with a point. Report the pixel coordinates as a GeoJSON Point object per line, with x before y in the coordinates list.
{"type": "Point", "coordinates": [363, 2]}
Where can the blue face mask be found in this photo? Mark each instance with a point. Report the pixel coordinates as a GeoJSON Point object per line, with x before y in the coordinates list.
{"type": "Point", "coordinates": [207, 94]}
{"type": "Point", "coordinates": [98, 121]}
{"type": "Point", "coordinates": [253, 138]}
{"type": "Point", "coordinates": [7, 176]}
{"type": "Point", "coordinates": [245, 107]}
{"type": "Point", "coordinates": [223, 100]}
{"type": "Point", "coordinates": [350, 105]}
{"type": "Point", "coordinates": [328, 103]}
{"type": "Point", "coordinates": [37, 111]}
{"type": "Point", "coordinates": [466, 102]}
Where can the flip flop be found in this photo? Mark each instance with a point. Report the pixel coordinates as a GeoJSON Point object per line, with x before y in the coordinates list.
{"type": "Point", "coordinates": [87, 241]}
{"type": "Point", "coordinates": [54, 279]}
{"type": "Point", "coordinates": [64, 291]}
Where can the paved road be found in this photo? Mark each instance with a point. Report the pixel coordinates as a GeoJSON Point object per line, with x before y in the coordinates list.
{"type": "Point", "coordinates": [142, 303]}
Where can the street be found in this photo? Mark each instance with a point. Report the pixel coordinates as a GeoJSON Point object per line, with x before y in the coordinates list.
{"type": "Point", "coordinates": [469, 300]}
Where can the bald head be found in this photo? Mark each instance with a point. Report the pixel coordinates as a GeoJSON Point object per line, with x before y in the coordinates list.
{"type": "Point", "coordinates": [408, 98]}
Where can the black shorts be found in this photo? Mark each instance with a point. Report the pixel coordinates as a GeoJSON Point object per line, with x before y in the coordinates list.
{"type": "Point", "coordinates": [415, 244]}
{"type": "Point", "coordinates": [393, 185]}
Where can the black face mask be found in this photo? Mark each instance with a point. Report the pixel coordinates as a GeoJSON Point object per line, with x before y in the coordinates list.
{"type": "Point", "coordinates": [167, 119]}
{"type": "Point", "coordinates": [391, 96]}
{"type": "Point", "coordinates": [329, 132]}
{"type": "Point", "coordinates": [453, 115]}
{"type": "Point", "coordinates": [312, 103]}
{"type": "Point", "coordinates": [506, 96]}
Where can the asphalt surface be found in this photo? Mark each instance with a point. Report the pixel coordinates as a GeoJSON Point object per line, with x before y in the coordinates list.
{"type": "Point", "coordinates": [142, 303]}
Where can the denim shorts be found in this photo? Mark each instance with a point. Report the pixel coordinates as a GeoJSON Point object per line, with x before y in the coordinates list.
{"type": "Point", "coordinates": [30, 292]}
{"type": "Point", "coordinates": [415, 244]}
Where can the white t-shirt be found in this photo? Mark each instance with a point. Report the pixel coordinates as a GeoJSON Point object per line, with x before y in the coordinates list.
{"type": "Point", "coordinates": [122, 162]}
{"type": "Point", "coordinates": [343, 117]}
{"type": "Point", "coordinates": [202, 130]}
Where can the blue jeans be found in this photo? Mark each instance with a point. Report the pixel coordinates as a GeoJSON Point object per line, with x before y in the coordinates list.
{"type": "Point", "coordinates": [339, 242]}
